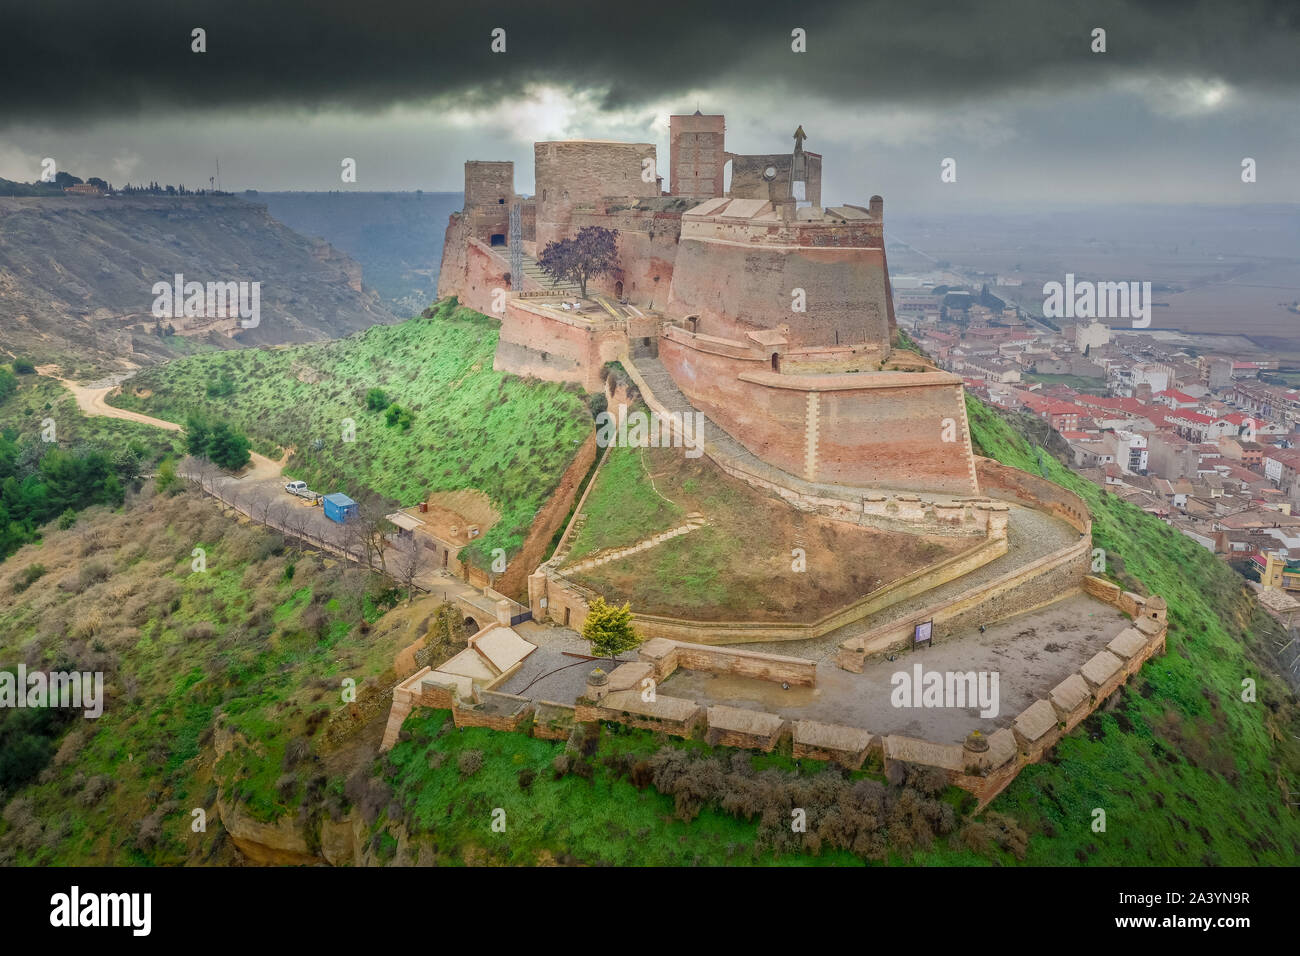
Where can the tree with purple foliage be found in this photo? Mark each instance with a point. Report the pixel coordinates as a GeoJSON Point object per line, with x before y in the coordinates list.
{"type": "Point", "coordinates": [592, 252]}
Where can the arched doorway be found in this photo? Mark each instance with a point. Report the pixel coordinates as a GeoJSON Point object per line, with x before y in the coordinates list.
{"type": "Point", "coordinates": [618, 289]}
{"type": "Point", "coordinates": [776, 362]}
{"type": "Point", "coordinates": [471, 626]}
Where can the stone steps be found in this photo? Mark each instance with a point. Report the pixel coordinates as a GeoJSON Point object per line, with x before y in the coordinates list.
{"type": "Point", "coordinates": [694, 520]}
{"type": "Point", "coordinates": [532, 270]}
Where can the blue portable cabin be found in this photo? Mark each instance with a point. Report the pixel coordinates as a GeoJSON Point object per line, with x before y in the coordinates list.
{"type": "Point", "coordinates": [339, 507]}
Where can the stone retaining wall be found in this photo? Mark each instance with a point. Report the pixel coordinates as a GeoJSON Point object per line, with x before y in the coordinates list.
{"type": "Point", "coordinates": [1040, 726]}
{"type": "Point", "coordinates": [664, 656]}
{"type": "Point", "coordinates": [566, 603]}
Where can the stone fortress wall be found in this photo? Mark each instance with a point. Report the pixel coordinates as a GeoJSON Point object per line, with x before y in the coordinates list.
{"type": "Point", "coordinates": [583, 172]}
{"type": "Point", "coordinates": [710, 289]}
{"type": "Point", "coordinates": [983, 766]}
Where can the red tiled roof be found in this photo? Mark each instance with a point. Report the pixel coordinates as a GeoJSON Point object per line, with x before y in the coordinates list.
{"type": "Point", "coordinates": [1238, 418]}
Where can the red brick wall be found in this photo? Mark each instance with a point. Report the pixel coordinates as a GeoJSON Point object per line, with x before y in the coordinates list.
{"type": "Point", "coordinates": [569, 174]}
{"type": "Point", "coordinates": [647, 246]}
{"type": "Point", "coordinates": [514, 582]}
{"type": "Point", "coordinates": [884, 437]}
{"type": "Point", "coordinates": [488, 182]}
{"type": "Point", "coordinates": [736, 288]}
{"type": "Point", "coordinates": [554, 350]}
{"type": "Point", "coordinates": [697, 155]}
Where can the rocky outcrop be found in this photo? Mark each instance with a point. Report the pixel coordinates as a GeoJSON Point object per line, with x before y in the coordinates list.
{"type": "Point", "coordinates": [77, 276]}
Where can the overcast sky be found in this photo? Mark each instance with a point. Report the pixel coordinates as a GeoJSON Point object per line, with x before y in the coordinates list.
{"type": "Point", "coordinates": [1010, 89]}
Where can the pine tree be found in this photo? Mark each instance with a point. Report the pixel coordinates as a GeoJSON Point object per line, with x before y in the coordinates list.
{"type": "Point", "coordinates": [609, 629]}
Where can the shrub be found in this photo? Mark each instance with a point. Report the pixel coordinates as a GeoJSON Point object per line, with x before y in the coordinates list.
{"type": "Point", "coordinates": [167, 483]}
{"type": "Point", "coordinates": [92, 572]}
{"type": "Point", "coordinates": [399, 416]}
{"type": "Point", "coordinates": [377, 400]}
{"type": "Point", "coordinates": [27, 577]}
{"type": "Point", "coordinates": [199, 631]}
{"type": "Point", "coordinates": [469, 762]}
{"type": "Point", "coordinates": [23, 366]}
{"type": "Point", "coordinates": [222, 387]}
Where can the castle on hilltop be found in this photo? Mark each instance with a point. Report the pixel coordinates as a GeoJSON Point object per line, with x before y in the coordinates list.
{"type": "Point", "coordinates": [755, 304]}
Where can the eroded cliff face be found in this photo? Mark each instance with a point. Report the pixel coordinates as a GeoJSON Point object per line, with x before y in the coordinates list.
{"type": "Point", "coordinates": [308, 837]}
{"type": "Point", "coordinates": [77, 277]}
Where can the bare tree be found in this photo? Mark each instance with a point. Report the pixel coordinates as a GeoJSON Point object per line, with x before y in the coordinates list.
{"type": "Point", "coordinates": [296, 524]}
{"type": "Point", "coordinates": [276, 518]}
{"type": "Point", "coordinates": [407, 564]}
{"type": "Point", "coordinates": [262, 505]}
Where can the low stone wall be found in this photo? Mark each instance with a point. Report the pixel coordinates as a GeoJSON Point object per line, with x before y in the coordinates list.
{"type": "Point", "coordinates": [419, 690]}
{"type": "Point", "coordinates": [1002, 481]}
{"type": "Point", "coordinates": [1040, 582]}
{"type": "Point", "coordinates": [566, 603]}
{"type": "Point", "coordinates": [847, 746]}
{"type": "Point", "coordinates": [1030, 586]}
{"type": "Point", "coordinates": [552, 721]}
{"type": "Point", "coordinates": [494, 711]}
{"type": "Point", "coordinates": [746, 729]}
{"type": "Point", "coordinates": [664, 656]}
{"type": "Point", "coordinates": [674, 716]}
{"type": "Point", "coordinates": [985, 766]}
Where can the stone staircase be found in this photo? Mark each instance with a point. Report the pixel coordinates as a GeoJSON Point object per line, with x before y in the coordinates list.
{"type": "Point", "coordinates": [571, 536]}
{"type": "Point", "coordinates": [535, 273]}
{"type": "Point", "coordinates": [694, 520]}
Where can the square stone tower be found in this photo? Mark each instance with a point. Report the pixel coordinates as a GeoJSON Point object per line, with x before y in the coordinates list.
{"type": "Point", "coordinates": [697, 154]}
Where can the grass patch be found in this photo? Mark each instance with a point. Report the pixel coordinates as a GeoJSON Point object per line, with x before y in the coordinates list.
{"type": "Point", "coordinates": [469, 426]}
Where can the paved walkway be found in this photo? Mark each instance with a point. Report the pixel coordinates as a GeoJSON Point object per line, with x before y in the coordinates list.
{"type": "Point", "coordinates": [1031, 653]}
{"type": "Point", "coordinates": [1031, 534]}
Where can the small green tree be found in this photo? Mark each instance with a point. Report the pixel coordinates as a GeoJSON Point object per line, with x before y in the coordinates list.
{"type": "Point", "coordinates": [167, 482]}
{"type": "Point", "coordinates": [377, 400]}
{"type": "Point", "coordinates": [228, 447]}
{"type": "Point", "coordinates": [609, 629]}
{"type": "Point", "coordinates": [197, 432]}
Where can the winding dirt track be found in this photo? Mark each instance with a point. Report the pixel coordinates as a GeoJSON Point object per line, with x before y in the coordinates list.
{"type": "Point", "coordinates": [92, 400]}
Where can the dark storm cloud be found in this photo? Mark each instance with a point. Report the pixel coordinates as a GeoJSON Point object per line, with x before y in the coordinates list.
{"type": "Point", "coordinates": [65, 62]}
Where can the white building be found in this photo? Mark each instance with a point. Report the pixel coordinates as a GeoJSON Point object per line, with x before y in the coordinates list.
{"type": "Point", "coordinates": [1129, 450]}
{"type": "Point", "coordinates": [1092, 335]}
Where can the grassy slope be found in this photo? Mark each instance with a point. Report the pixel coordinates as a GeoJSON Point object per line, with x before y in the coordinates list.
{"type": "Point", "coordinates": [474, 427]}
{"type": "Point", "coordinates": [605, 820]}
{"type": "Point", "coordinates": [1187, 772]}
{"type": "Point", "coordinates": [623, 507]}
{"type": "Point", "coordinates": [244, 637]}
{"type": "Point", "coordinates": [39, 398]}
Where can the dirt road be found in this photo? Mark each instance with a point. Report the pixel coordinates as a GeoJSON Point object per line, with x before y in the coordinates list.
{"type": "Point", "coordinates": [92, 400]}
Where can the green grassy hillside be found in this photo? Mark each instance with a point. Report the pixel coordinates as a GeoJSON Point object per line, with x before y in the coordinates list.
{"type": "Point", "coordinates": [471, 427]}
{"type": "Point", "coordinates": [254, 633]}
{"type": "Point", "coordinates": [1187, 772]}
